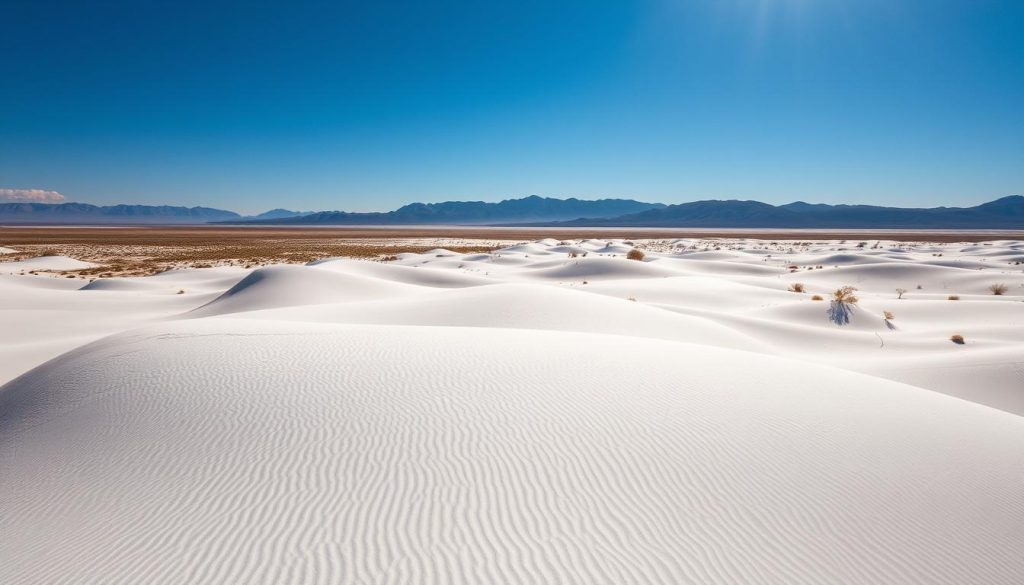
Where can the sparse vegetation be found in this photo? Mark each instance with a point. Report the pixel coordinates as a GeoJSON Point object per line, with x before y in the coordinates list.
{"type": "Point", "coordinates": [957, 339]}
{"type": "Point", "coordinates": [181, 291]}
{"type": "Point", "coordinates": [998, 289]}
{"type": "Point", "coordinates": [845, 295]}
{"type": "Point", "coordinates": [797, 287]}
{"type": "Point", "coordinates": [843, 301]}
{"type": "Point", "coordinates": [953, 297]}
{"type": "Point", "coordinates": [900, 292]}
{"type": "Point", "coordinates": [817, 298]}
{"type": "Point", "coordinates": [145, 251]}
{"type": "Point", "coordinates": [635, 254]}
{"type": "Point", "coordinates": [888, 315]}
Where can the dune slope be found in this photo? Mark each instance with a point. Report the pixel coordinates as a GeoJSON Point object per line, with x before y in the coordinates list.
{"type": "Point", "coordinates": [182, 453]}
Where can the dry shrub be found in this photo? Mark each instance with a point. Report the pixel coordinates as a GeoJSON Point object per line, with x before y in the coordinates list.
{"type": "Point", "coordinates": [844, 295]}
{"type": "Point", "coordinates": [900, 292]}
{"type": "Point", "coordinates": [817, 298]}
{"type": "Point", "coordinates": [797, 287]}
{"type": "Point", "coordinates": [957, 339]}
{"type": "Point", "coordinates": [953, 297]}
{"type": "Point", "coordinates": [635, 254]}
{"type": "Point", "coordinates": [841, 308]}
{"type": "Point", "coordinates": [573, 254]}
{"type": "Point", "coordinates": [998, 289]}
{"type": "Point", "coordinates": [181, 291]}
{"type": "Point", "coordinates": [888, 315]}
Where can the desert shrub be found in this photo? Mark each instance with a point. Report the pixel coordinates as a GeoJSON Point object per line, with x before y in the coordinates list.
{"type": "Point", "coordinates": [845, 295]}
{"type": "Point", "coordinates": [49, 252]}
{"type": "Point", "coordinates": [888, 315]}
{"type": "Point", "coordinates": [998, 289]}
{"type": "Point", "coordinates": [573, 254]}
{"type": "Point", "coordinates": [953, 297]}
{"type": "Point", "coordinates": [900, 292]}
{"type": "Point", "coordinates": [181, 291]}
{"type": "Point", "coordinates": [957, 339]}
{"type": "Point", "coordinates": [797, 287]}
{"type": "Point", "coordinates": [817, 298]}
{"type": "Point", "coordinates": [635, 254]}
{"type": "Point", "coordinates": [390, 258]}
{"type": "Point", "coordinates": [841, 307]}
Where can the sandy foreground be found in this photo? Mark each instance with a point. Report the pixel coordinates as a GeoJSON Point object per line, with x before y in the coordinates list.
{"type": "Point", "coordinates": [546, 412]}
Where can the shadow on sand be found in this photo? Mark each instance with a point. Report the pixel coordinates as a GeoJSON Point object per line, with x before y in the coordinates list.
{"type": "Point", "coordinates": [839, 313]}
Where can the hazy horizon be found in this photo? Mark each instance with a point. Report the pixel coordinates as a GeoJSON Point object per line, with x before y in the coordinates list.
{"type": "Point", "coordinates": [357, 107]}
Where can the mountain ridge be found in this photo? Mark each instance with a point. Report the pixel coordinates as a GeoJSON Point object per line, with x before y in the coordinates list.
{"type": "Point", "coordinates": [530, 208]}
{"type": "Point", "coordinates": [534, 211]}
{"type": "Point", "coordinates": [1005, 212]}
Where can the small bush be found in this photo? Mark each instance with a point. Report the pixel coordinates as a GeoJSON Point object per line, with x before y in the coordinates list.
{"type": "Point", "coordinates": [841, 307]}
{"type": "Point", "coordinates": [900, 292]}
{"type": "Point", "coordinates": [953, 297]}
{"type": "Point", "coordinates": [845, 295]}
{"type": "Point", "coordinates": [573, 254]}
{"type": "Point", "coordinates": [957, 339]}
{"type": "Point", "coordinates": [888, 315]}
{"type": "Point", "coordinates": [797, 287]}
{"type": "Point", "coordinates": [817, 298]}
{"type": "Point", "coordinates": [181, 291]}
{"type": "Point", "coordinates": [635, 254]}
{"type": "Point", "coordinates": [998, 289]}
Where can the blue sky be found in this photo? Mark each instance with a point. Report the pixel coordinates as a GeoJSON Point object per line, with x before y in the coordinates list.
{"type": "Point", "coordinates": [366, 106]}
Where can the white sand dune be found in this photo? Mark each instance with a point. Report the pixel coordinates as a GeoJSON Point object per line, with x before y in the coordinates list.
{"type": "Point", "coordinates": [44, 263]}
{"type": "Point", "coordinates": [520, 417]}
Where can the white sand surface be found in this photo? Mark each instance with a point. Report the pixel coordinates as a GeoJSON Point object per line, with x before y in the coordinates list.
{"type": "Point", "coordinates": [43, 263]}
{"type": "Point", "coordinates": [521, 417]}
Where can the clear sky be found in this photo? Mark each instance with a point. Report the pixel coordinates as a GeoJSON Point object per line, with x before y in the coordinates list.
{"type": "Point", "coordinates": [366, 106]}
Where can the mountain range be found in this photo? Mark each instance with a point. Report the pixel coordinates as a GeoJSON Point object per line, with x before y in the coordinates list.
{"type": "Point", "coordinates": [527, 209]}
{"type": "Point", "coordinates": [84, 213]}
{"type": "Point", "coordinates": [1004, 213]}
